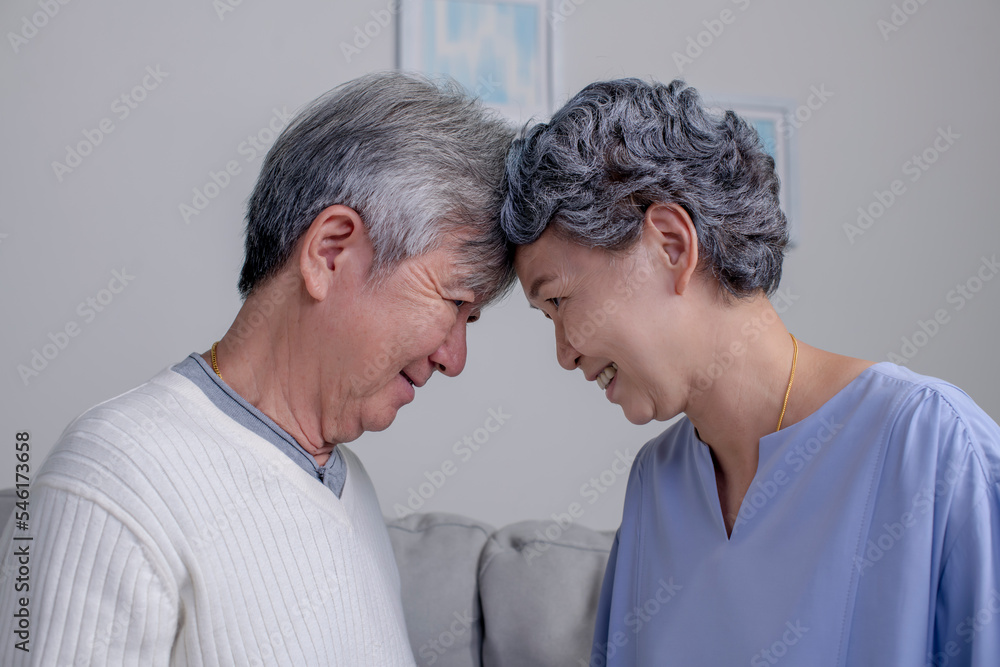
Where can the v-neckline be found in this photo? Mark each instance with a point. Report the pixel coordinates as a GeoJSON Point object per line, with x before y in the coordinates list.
{"type": "Point", "coordinates": [767, 447]}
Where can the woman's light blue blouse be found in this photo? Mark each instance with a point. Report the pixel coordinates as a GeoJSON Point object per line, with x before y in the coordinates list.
{"type": "Point", "coordinates": [869, 536]}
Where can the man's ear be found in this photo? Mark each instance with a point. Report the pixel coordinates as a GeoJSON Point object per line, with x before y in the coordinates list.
{"type": "Point", "coordinates": [670, 234]}
{"type": "Point", "coordinates": [335, 246]}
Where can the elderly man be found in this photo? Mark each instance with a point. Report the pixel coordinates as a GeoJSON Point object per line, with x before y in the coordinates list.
{"type": "Point", "coordinates": [212, 515]}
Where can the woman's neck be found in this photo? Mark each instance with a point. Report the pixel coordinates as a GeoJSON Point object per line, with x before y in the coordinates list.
{"type": "Point", "coordinates": [737, 396]}
{"type": "Point", "coordinates": [738, 392]}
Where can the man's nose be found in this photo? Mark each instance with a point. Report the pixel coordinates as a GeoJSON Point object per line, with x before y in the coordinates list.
{"type": "Point", "coordinates": [450, 357]}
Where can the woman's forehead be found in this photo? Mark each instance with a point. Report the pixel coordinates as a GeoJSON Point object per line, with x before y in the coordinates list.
{"type": "Point", "coordinates": [540, 255]}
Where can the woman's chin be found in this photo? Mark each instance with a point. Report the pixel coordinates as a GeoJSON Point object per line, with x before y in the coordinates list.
{"type": "Point", "coordinates": [638, 415]}
{"type": "Point", "coordinates": [644, 413]}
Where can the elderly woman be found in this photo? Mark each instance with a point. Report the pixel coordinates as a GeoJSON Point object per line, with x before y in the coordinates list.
{"type": "Point", "coordinates": [808, 505]}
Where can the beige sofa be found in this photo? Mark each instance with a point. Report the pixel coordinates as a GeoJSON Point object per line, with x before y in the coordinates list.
{"type": "Point", "coordinates": [525, 595]}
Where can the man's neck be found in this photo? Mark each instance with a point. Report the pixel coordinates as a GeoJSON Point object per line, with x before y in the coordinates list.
{"type": "Point", "coordinates": [256, 360]}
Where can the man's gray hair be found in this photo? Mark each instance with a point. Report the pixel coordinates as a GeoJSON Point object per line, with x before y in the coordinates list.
{"type": "Point", "coordinates": [420, 161]}
{"type": "Point", "coordinates": [620, 146]}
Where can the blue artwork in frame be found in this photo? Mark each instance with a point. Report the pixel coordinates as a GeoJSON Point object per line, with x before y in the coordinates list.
{"type": "Point", "coordinates": [498, 50]}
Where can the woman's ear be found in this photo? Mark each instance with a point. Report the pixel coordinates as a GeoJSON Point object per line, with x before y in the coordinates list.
{"type": "Point", "coordinates": [334, 248]}
{"type": "Point", "coordinates": [670, 234]}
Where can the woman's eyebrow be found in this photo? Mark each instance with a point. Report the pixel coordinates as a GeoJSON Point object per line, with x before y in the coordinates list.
{"type": "Point", "coordinates": [536, 285]}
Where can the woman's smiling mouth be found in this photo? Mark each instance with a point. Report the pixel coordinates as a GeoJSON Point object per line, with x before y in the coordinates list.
{"type": "Point", "coordinates": [605, 377]}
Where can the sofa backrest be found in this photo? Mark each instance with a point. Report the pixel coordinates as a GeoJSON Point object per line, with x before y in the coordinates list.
{"type": "Point", "coordinates": [540, 583]}
{"type": "Point", "coordinates": [438, 557]}
{"type": "Point", "coordinates": [524, 596]}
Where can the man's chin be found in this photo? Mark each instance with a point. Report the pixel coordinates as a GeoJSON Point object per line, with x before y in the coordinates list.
{"type": "Point", "coordinates": [383, 407]}
{"type": "Point", "coordinates": [367, 423]}
{"type": "Point", "coordinates": [380, 421]}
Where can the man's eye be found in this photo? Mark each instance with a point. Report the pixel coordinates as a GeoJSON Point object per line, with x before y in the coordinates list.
{"type": "Point", "coordinates": [458, 303]}
{"type": "Point", "coordinates": [555, 301]}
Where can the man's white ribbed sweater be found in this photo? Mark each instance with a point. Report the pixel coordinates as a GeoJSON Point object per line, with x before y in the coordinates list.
{"type": "Point", "coordinates": [165, 533]}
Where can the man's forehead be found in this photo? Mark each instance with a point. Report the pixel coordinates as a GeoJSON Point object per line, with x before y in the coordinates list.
{"type": "Point", "coordinates": [469, 266]}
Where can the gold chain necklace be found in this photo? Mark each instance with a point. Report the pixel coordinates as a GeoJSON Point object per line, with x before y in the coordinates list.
{"type": "Point", "coordinates": [791, 378]}
{"type": "Point", "coordinates": [215, 367]}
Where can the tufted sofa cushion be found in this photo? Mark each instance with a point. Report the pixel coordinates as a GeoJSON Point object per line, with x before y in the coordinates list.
{"type": "Point", "coordinates": [438, 556]}
{"type": "Point", "coordinates": [540, 583]}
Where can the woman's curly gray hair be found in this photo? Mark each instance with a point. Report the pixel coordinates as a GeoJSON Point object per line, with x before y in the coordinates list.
{"type": "Point", "coordinates": [619, 146]}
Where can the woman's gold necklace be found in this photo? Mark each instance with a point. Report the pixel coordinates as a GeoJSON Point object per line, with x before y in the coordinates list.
{"type": "Point", "coordinates": [791, 378]}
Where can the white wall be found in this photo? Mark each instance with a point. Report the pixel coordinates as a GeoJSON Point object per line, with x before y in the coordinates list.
{"type": "Point", "coordinates": [119, 209]}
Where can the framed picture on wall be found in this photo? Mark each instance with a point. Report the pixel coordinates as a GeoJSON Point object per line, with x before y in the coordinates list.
{"type": "Point", "coordinates": [499, 50]}
{"type": "Point", "coordinates": [774, 121]}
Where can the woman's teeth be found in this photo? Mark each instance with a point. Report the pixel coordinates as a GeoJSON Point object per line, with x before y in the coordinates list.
{"type": "Point", "coordinates": [607, 375]}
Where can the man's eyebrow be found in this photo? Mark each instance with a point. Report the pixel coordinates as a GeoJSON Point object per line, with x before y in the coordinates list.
{"type": "Point", "coordinates": [536, 285]}
{"type": "Point", "coordinates": [463, 281]}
